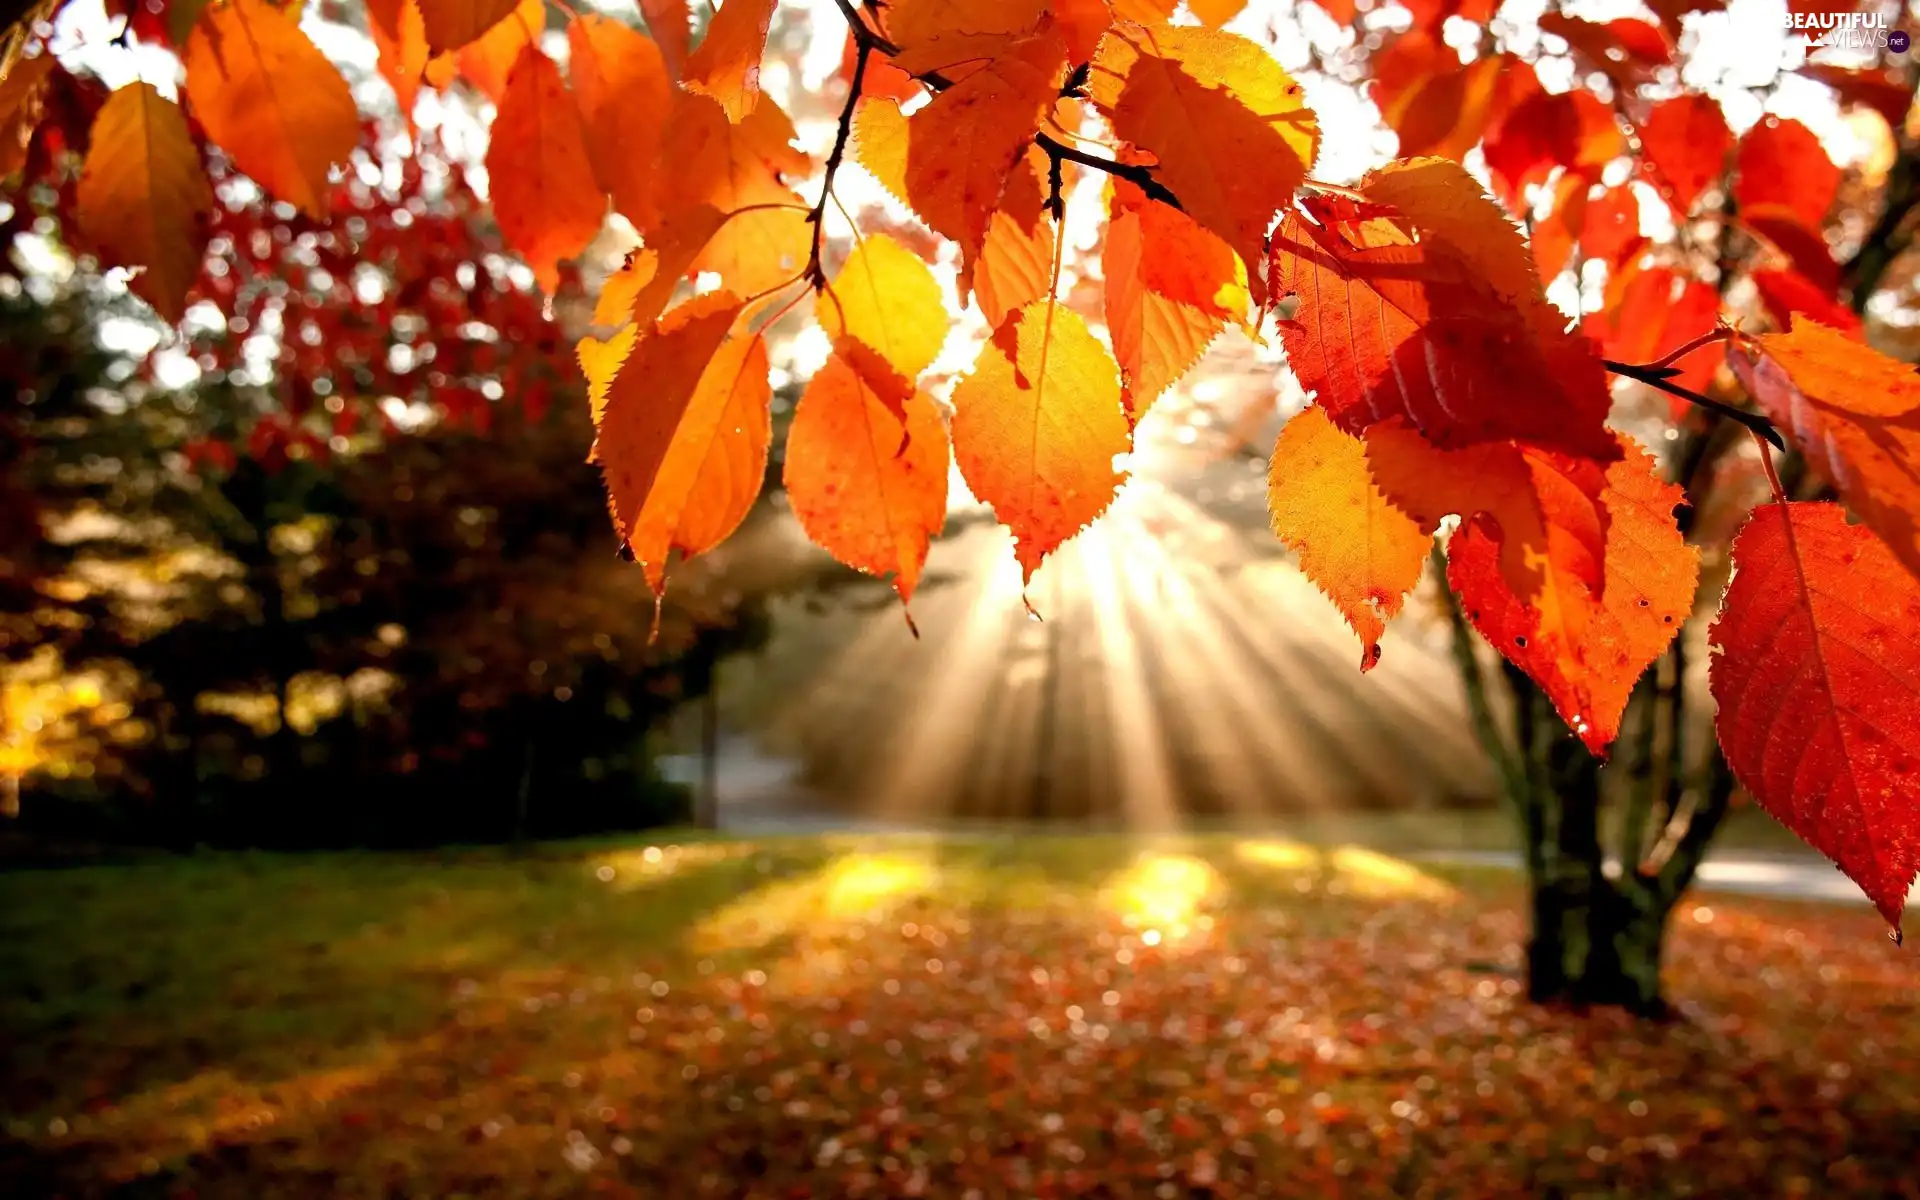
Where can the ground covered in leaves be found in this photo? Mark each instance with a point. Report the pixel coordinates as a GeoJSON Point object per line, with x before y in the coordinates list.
{"type": "Point", "coordinates": [1049, 1016]}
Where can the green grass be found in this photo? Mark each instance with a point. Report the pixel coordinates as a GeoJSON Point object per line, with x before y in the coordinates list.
{"type": "Point", "coordinates": [884, 1016]}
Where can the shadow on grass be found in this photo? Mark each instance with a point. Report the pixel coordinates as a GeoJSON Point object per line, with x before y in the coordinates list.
{"type": "Point", "coordinates": [910, 1016]}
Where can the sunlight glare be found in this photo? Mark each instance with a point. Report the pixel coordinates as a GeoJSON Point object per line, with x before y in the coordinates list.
{"type": "Point", "coordinates": [1160, 894]}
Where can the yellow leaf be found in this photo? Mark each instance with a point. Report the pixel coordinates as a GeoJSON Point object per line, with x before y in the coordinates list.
{"type": "Point", "coordinates": [143, 197]}
{"type": "Point", "coordinates": [1359, 549]}
{"type": "Point", "coordinates": [887, 299]}
{"type": "Point", "coordinates": [1036, 427]}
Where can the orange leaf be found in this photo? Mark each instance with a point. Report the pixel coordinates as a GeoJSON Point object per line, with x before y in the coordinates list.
{"type": "Point", "coordinates": [487, 62]}
{"type": "Point", "coordinates": [672, 29]}
{"type": "Point", "coordinates": [403, 54]}
{"type": "Point", "coordinates": [886, 300]}
{"type": "Point", "coordinates": [1215, 13]}
{"type": "Point", "coordinates": [451, 24]}
{"type": "Point", "coordinates": [1585, 645]}
{"type": "Point", "coordinates": [866, 486]}
{"type": "Point", "coordinates": [1855, 414]}
{"type": "Point", "coordinates": [600, 361]}
{"type": "Point", "coordinates": [269, 98]}
{"type": "Point", "coordinates": [1171, 288]}
{"type": "Point", "coordinates": [1781, 164]}
{"type": "Point", "coordinates": [1550, 537]}
{"type": "Point", "coordinates": [1686, 141]}
{"type": "Point", "coordinates": [544, 194]}
{"type": "Point", "coordinates": [1451, 331]}
{"type": "Point", "coordinates": [1015, 266]}
{"type": "Point", "coordinates": [727, 64]}
{"type": "Point", "coordinates": [624, 96]}
{"type": "Point", "coordinates": [1231, 133]}
{"type": "Point", "coordinates": [1363, 552]}
{"type": "Point", "coordinates": [724, 166]}
{"type": "Point", "coordinates": [683, 440]}
{"type": "Point", "coordinates": [951, 160]}
{"type": "Point", "coordinates": [1817, 679]}
{"type": "Point", "coordinates": [1554, 236]}
{"type": "Point", "coordinates": [1036, 427]}
{"type": "Point", "coordinates": [144, 200]}
{"type": "Point", "coordinates": [955, 37]}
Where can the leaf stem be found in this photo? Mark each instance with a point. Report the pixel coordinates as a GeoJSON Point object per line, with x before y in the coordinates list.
{"type": "Point", "coordinates": [1716, 334]}
{"type": "Point", "coordinates": [1773, 477]}
{"type": "Point", "coordinates": [1656, 376]}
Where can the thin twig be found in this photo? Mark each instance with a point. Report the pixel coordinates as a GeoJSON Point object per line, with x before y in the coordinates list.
{"type": "Point", "coordinates": [1660, 378]}
{"type": "Point", "coordinates": [815, 273]}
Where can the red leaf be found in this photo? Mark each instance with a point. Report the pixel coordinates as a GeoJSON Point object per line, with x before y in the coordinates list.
{"type": "Point", "coordinates": [1451, 330]}
{"type": "Point", "coordinates": [1781, 163]}
{"type": "Point", "coordinates": [1686, 141]}
{"type": "Point", "coordinates": [1817, 678]}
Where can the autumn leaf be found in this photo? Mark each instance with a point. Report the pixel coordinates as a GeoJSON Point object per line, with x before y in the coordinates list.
{"type": "Point", "coordinates": [727, 64]}
{"type": "Point", "coordinates": [1816, 674]}
{"type": "Point", "coordinates": [1547, 130]}
{"type": "Point", "coordinates": [1016, 259]}
{"type": "Point", "coordinates": [545, 197]}
{"type": "Point", "coordinates": [950, 161]}
{"type": "Point", "coordinates": [866, 486]}
{"type": "Point", "coordinates": [1781, 165]}
{"type": "Point", "coordinates": [20, 101]}
{"type": "Point", "coordinates": [1552, 524]}
{"type": "Point", "coordinates": [144, 199]}
{"type": "Point", "coordinates": [1786, 292]}
{"type": "Point", "coordinates": [886, 316]}
{"type": "Point", "coordinates": [1585, 646]}
{"type": "Point", "coordinates": [1036, 427]}
{"type": "Point", "coordinates": [1855, 414]}
{"type": "Point", "coordinates": [1229, 130]}
{"type": "Point", "coordinates": [451, 24]}
{"type": "Point", "coordinates": [1434, 103]}
{"type": "Point", "coordinates": [1554, 236]}
{"type": "Point", "coordinates": [624, 96]}
{"type": "Point", "coordinates": [1436, 315]}
{"type": "Point", "coordinates": [1171, 288]}
{"type": "Point", "coordinates": [1358, 548]}
{"type": "Point", "coordinates": [487, 62]}
{"type": "Point", "coordinates": [1651, 311]}
{"type": "Point", "coordinates": [268, 97]}
{"type": "Point", "coordinates": [402, 54]}
{"type": "Point", "coordinates": [1626, 51]}
{"type": "Point", "coordinates": [720, 165]}
{"type": "Point", "coordinates": [1686, 141]}
{"type": "Point", "coordinates": [600, 361]}
{"type": "Point", "coordinates": [672, 28]}
{"type": "Point", "coordinates": [958, 37]}
{"type": "Point", "coordinates": [683, 439]}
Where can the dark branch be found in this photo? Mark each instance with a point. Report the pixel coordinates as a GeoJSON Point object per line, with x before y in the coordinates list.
{"type": "Point", "coordinates": [1141, 177]}
{"type": "Point", "coordinates": [815, 274]}
{"type": "Point", "coordinates": [1660, 377]}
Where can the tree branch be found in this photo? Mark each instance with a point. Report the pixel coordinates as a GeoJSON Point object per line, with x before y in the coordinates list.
{"type": "Point", "coordinates": [1141, 177]}
{"type": "Point", "coordinates": [1661, 377]}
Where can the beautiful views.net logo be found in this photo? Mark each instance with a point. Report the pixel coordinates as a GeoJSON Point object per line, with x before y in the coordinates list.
{"type": "Point", "coordinates": [1847, 30]}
